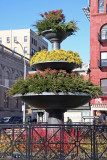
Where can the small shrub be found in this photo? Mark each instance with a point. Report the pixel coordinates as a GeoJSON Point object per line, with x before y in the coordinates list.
{"type": "Point", "coordinates": [54, 81]}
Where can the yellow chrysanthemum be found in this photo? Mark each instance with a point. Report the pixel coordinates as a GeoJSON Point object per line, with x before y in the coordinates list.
{"type": "Point", "coordinates": [56, 55]}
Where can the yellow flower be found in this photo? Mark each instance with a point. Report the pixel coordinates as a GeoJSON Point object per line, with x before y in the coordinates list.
{"type": "Point", "coordinates": [56, 55]}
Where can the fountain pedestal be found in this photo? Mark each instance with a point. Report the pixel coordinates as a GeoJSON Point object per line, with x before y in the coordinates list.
{"type": "Point", "coordinates": [55, 37]}
{"type": "Point", "coordinates": [56, 116]}
{"type": "Point", "coordinates": [55, 103]}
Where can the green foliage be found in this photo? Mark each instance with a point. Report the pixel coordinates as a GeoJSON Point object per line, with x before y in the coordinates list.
{"type": "Point", "coordinates": [54, 81]}
{"type": "Point", "coordinates": [55, 20]}
{"type": "Point", "coordinates": [46, 25]}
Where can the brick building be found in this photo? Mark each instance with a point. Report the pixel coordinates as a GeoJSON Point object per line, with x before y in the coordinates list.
{"type": "Point", "coordinates": [98, 50]}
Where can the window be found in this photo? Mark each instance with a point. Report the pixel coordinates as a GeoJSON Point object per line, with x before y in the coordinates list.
{"type": "Point", "coordinates": [43, 47]}
{"type": "Point", "coordinates": [15, 49]}
{"type": "Point", "coordinates": [25, 49]}
{"type": "Point", "coordinates": [25, 38]}
{"type": "Point", "coordinates": [6, 79]}
{"type": "Point", "coordinates": [15, 39]}
{"type": "Point", "coordinates": [8, 39]}
{"type": "Point", "coordinates": [16, 77]}
{"type": "Point", "coordinates": [103, 59]}
{"type": "Point", "coordinates": [104, 86]}
{"type": "Point", "coordinates": [6, 99]}
{"type": "Point", "coordinates": [0, 40]}
{"type": "Point", "coordinates": [39, 48]}
{"type": "Point", "coordinates": [32, 40]}
{"type": "Point", "coordinates": [101, 6]}
{"type": "Point", "coordinates": [104, 32]}
{"type": "Point", "coordinates": [32, 51]}
{"type": "Point", "coordinates": [35, 42]}
{"type": "Point", "coordinates": [16, 102]}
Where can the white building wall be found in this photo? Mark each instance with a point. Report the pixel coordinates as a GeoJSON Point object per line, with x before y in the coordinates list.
{"type": "Point", "coordinates": [20, 33]}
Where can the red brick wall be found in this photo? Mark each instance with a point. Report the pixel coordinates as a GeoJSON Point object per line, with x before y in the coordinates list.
{"type": "Point", "coordinates": [96, 21]}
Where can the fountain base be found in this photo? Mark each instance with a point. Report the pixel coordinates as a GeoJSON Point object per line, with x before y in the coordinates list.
{"type": "Point", "coordinates": [56, 116]}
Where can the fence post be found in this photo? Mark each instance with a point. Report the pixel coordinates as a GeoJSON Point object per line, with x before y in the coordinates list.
{"type": "Point", "coordinates": [94, 146]}
{"type": "Point", "coordinates": [12, 140]}
{"type": "Point", "coordinates": [29, 140]}
{"type": "Point", "coordinates": [62, 142]}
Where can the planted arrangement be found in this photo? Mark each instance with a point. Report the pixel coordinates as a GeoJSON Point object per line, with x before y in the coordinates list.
{"type": "Point", "coordinates": [54, 81]}
{"type": "Point", "coordinates": [55, 20]}
{"type": "Point", "coordinates": [56, 55]}
{"type": "Point", "coordinates": [54, 87]}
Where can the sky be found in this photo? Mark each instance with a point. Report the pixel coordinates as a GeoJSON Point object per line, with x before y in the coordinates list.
{"type": "Point", "coordinates": [20, 14]}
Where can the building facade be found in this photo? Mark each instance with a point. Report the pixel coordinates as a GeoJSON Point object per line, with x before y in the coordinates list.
{"type": "Point", "coordinates": [98, 51]}
{"type": "Point", "coordinates": [29, 41]}
{"type": "Point", "coordinates": [11, 68]}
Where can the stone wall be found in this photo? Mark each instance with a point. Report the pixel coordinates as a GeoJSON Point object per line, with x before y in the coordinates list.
{"type": "Point", "coordinates": [11, 68]}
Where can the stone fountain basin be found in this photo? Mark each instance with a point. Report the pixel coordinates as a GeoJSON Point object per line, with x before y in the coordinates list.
{"type": "Point", "coordinates": [64, 65]}
{"type": "Point", "coordinates": [50, 100]}
{"type": "Point", "coordinates": [55, 36]}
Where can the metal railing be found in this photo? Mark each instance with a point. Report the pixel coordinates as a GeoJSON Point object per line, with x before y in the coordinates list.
{"type": "Point", "coordinates": [59, 142]}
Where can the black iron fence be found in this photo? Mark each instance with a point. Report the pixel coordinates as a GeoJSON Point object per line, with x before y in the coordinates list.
{"type": "Point", "coordinates": [58, 142]}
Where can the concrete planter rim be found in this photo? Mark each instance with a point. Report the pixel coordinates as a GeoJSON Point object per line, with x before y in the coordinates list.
{"type": "Point", "coordinates": [58, 36]}
{"type": "Point", "coordinates": [63, 65]}
{"type": "Point", "coordinates": [51, 30]}
{"type": "Point", "coordinates": [52, 93]}
{"type": "Point", "coordinates": [56, 101]}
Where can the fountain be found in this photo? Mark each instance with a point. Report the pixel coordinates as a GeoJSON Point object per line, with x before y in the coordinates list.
{"type": "Point", "coordinates": [55, 103]}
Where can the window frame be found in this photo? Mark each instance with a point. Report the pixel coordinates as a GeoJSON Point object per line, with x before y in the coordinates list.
{"type": "Point", "coordinates": [15, 49]}
{"type": "Point", "coordinates": [8, 39]}
{"type": "Point", "coordinates": [25, 38]}
{"type": "Point", "coordinates": [15, 39]}
{"type": "Point", "coordinates": [103, 87]}
{"type": "Point", "coordinates": [25, 49]}
{"type": "Point", "coordinates": [43, 47]}
{"type": "Point", "coordinates": [100, 7]}
{"type": "Point", "coordinates": [103, 36]}
{"type": "Point", "coordinates": [103, 61]}
{"type": "Point", "coordinates": [32, 51]}
{"type": "Point", "coordinates": [32, 40]}
{"type": "Point", "coordinates": [39, 49]}
{"type": "Point", "coordinates": [0, 40]}
{"type": "Point", "coordinates": [35, 42]}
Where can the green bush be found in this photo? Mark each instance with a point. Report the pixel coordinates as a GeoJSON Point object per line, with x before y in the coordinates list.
{"type": "Point", "coordinates": [54, 81]}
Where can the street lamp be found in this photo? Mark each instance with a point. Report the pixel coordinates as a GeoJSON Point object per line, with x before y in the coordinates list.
{"type": "Point", "coordinates": [23, 106]}
{"type": "Point", "coordinates": [17, 42]}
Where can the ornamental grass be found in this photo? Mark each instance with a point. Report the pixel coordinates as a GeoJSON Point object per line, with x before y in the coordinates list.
{"type": "Point", "coordinates": [54, 81]}
{"type": "Point", "coordinates": [56, 55]}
